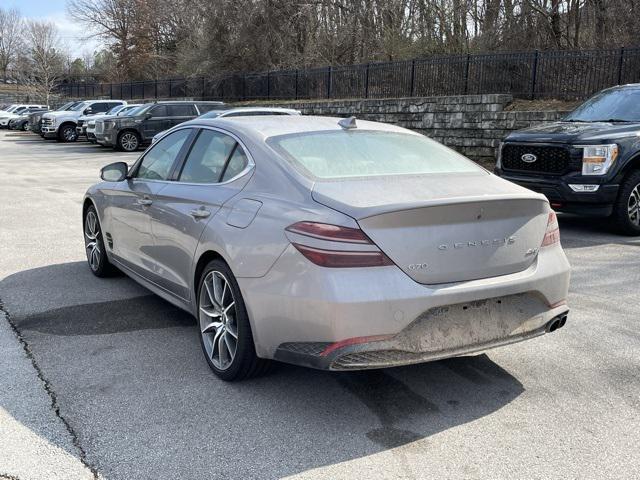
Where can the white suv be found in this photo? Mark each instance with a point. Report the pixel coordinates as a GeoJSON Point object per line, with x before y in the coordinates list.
{"type": "Point", "coordinates": [62, 125]}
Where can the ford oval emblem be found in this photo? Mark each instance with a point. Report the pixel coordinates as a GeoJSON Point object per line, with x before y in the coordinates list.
{"type": "Point", "coordinates": [529, 158]}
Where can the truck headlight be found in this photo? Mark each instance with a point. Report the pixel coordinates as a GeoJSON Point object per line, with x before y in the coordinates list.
{"type": "Point", "coordinates": [598, 159]}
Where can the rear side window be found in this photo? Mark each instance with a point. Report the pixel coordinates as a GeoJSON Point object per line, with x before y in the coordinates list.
{"type": "Point", "coordinates": [158, 162]}
{"type": "Point", "coordinates": [181, 110]}
{"type": "Point", "coordinates": [339, 154]}
{"type": "Point", "coordinates": [207, 158]}
{"type": "Point", "coordinates": [237, 163]}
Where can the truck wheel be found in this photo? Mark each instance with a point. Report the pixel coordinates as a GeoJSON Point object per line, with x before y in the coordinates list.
{"type": "Point", "coordinates": [67, 133]}
{"type": "Point", "coordinates": [626, 211]}
{"type": "Point", "coordinates": [128, 141]}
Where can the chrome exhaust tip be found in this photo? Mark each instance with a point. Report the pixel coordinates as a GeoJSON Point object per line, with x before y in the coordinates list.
{"type": "Point", "coordinates": [556, 322]}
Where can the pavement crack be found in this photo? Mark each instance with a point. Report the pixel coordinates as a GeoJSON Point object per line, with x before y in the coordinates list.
{"type": "Point", "coordinates": [52, 396]}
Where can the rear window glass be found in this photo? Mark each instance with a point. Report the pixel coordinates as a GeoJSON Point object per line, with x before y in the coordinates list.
{"type": "Point", "coordinates": [367, 153]}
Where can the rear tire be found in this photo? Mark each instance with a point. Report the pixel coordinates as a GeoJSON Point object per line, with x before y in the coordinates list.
{"type": "Point", "coordinates": [626, 210]}
{"type": "Point", "coordinates": [223, 326]}
{"type": "Point", "coordinates": [94, 245]}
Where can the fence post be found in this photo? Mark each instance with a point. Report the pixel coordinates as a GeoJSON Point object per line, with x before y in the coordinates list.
{"type": "Point", "coordinates": [413, 77]}
{"type": "Point", "coordinates": [366, 81]}
{"type": "Point", "coordinates": [155, 88]}
{"type": "Point", "coordinates": [131, 90]}
{"type": "Point", "coordinates": [534, 74]}
{"type": "Point", "coordinates": [620, 64]}
{"type": "Point", "coordinates": [296, 94]}
{"type": "Point", "coordinates": [111, 90]}
{"type": "Point", "coordinates": [203, 88]}
{"type": "Point", "coordinates": [170, 92]}
{"type": "Point", "coordinates": [268, 85]}
{"type": "Point", "coordinates": [328, 82]}
{"type": "Point", "coordinates": [466, 74]}
{"type": "Point", "coordinates": [244, 86]}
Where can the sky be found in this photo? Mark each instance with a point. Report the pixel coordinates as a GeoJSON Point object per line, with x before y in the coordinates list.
{"type": "Point", "coordinates": [73, 34]}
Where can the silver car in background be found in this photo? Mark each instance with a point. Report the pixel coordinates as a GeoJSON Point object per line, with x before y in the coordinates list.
{"type": "Point", "coordinates": [335, 244]}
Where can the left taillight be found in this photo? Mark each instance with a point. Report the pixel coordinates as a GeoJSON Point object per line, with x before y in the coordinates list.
{"type": "Point", "coordinates": [335, 246]}
{"type": "Point", "coordinates": [552, 234]}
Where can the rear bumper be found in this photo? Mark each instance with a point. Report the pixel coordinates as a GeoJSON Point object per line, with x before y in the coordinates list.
{"type": "Point", "coordinates": [563, 199]}
{"type": "Point", "coordinates": [319, 318]}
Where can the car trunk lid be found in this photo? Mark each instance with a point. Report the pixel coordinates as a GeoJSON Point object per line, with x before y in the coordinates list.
{"type": "Point", "coordinates": [444, 228]}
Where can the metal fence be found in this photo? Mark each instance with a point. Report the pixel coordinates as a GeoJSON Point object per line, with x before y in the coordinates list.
{"type": "Point", "coordinates": [565, 74]}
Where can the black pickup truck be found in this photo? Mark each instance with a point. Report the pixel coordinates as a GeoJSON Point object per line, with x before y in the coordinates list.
{"type": "Point", "coordinates": [588, 163]}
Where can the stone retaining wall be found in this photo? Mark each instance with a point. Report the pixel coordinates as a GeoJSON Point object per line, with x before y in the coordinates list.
{"type": "Point", "coordinates": [471, 124]}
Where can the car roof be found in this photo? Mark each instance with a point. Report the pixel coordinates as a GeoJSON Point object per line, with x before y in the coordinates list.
{"type": "Point", "coordinates": [263, 127]}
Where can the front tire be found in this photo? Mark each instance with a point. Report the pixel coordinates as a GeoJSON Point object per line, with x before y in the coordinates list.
{"type": "Point", "coordinates": [224, 329]}
{"type": "Point", "coordinates": [94, 245]}
{"type": "Point", "coordinates": [626, 211]}
{"type": "Point", "coordinates": [128, 141]}
{"type": "Point", "coordinates": [67, 133]}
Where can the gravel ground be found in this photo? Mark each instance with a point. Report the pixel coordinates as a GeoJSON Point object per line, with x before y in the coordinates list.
{"type": "Point", "coordinates": [101, 378]}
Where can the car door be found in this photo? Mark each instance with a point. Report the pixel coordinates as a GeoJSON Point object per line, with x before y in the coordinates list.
{"type": "Point", "coordinates": [133, 204]}
{"type": "Point", "coordinates": [215, 169]}
{"type": "Point", "coordinates": [156, 121]}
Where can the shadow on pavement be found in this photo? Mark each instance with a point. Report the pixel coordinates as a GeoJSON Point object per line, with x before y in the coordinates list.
{"type": "Point", "coordinates": [131, 381]}
{"type": "Point", "coordinates": [577, 232]}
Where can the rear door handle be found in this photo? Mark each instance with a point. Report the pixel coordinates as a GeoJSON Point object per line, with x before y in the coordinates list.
{"type": "Point", "coordinates": [145, 201]}
{"type": "Point", "coordinates": [200, 213]}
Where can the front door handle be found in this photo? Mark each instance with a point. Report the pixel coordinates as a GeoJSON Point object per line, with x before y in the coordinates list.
{"type": "Point", "coordinates": [200, 213]}
{"type": "Point", "coordinates": [145, 201]}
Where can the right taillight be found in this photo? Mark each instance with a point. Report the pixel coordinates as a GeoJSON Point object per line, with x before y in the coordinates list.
{"type": "Point", "coordinates": [552, 235]}
{"type": "Point", "coordinates": [334, 246]}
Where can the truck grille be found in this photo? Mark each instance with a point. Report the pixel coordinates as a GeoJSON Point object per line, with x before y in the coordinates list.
{"type": "Point", "coordinates": [549, 159]}
{"type": "Point", "coordinates": [47, 122]}
{"type": "Point", "coordinates": [99, 127]}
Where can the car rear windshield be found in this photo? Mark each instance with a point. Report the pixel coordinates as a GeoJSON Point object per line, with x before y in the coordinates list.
{"type": "Point", "coordinates": [339, 154]}
{"type": "Point", "coordinates": [622, 105]}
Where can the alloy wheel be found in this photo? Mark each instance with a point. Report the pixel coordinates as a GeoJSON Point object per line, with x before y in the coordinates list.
{"type": "Point", "coordinates": [129, 142]}
{"type": "Point", "coordinates": [633, 206]}
{"type": "Point", "coordinates": [69, 134]}
{"type": "Point", "coordinates": [218, 320]}
{"type": "Point", "coordinates": [92, 243]}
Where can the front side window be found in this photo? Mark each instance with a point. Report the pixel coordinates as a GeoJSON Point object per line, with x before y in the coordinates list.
{"type": "Point", "coordinates": [181, 110]}
{"type": "Point", "coordinates": [364, 153]}
{"type": "Point", "coordinates": [158, 162]}
{"type": "Point", "coordinates": [207, 158]}
{"type": "Point", "coordinates": [158, 111]}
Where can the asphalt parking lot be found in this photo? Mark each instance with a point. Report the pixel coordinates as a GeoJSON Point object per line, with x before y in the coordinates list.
{"type": "Point", "coordinates": [101, 379]}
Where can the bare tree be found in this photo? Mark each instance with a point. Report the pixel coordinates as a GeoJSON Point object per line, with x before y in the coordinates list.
{"type": "Point", "coordinates": [10, 25]}
{"type": "Point", "coordinates": [44, 59]}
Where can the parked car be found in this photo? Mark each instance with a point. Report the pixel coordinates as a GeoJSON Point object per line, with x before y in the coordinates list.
{"type": "Point", "coordinates": [81, 126]}
{"type": "Point", "coordinates": [119, 111]}
{"type": "Point", "coordinates": [588, 163]}
{"type": "Point", "coordinates": [16, 112]}
{"type": "Point", "coordinates": [21, 122]}
{"type": "Point", "coordinates": [130, 132]}
{"type": "Point", "coordinates": [335, 244]}
{"type": "Point", "coordinates": [17, 108]}
{"type": "Point", "coordinates": [35, 119]}
{"type": "Point", "coordinates": [62, 125]}
{"type": "Point", "coordinates": [240, 112]}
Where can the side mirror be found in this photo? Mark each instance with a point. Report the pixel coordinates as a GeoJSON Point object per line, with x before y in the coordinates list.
{"type": "Point", "coordinates": [149, 115]}
{"type": "Point", "coordinates": [114, 172]}
{"type": "Point", "coordinates": [88, 111]}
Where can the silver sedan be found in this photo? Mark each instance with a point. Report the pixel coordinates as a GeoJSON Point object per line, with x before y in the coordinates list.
{"type": "Point", "coordinates": [335, 244]}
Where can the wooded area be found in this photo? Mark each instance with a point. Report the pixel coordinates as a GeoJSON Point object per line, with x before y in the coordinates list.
{"type": "Point", "coordinates": [160, 38]}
